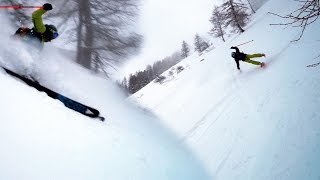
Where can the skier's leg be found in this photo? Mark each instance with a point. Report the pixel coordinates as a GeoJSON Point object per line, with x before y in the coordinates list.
{"type": "Point", "coordinates": [248, 60]}
{"type": "Point", "coordinates": [255, 55]}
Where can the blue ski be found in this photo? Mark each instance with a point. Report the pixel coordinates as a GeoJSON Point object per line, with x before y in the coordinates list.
{"type": "Point", "coordinates": [72, 104]}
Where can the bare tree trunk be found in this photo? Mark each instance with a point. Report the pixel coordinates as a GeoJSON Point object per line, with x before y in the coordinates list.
{"type": "Point", "coordinates": [79, 38]}
{"type": "Point", "coordinates": [85, 35]}
{"type": "Point", "coordinates": [235, 16]}
{"type": "Point", "coordinates": [220, 27]}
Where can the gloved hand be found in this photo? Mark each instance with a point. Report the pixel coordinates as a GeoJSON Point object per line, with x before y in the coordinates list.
{"type": "Point", "coordinates": [47, 7]}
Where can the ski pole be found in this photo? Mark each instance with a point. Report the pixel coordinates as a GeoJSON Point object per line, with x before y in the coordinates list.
{"type": "Point", "coordinates": [19, 6]}
{"type": "Point", "coordinates": [245, 43]}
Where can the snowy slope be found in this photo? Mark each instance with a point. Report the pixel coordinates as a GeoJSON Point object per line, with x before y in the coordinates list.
{"type": "Point", "coordinates": [42, 139]}
{"type": "Point", "coordinates": [254, 124]}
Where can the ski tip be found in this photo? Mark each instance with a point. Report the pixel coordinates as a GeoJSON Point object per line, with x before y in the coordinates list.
{"type": "Point", "coordinates": [101, 118]}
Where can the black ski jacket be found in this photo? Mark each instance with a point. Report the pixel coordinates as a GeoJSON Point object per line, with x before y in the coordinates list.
{"type": "Point", "coordinates": [238, 56]}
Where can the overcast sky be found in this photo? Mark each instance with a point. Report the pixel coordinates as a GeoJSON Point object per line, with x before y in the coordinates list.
{"type": "Point", "coordinates": [165, 24]}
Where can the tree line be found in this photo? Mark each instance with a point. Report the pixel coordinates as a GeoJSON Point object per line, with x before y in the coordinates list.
{"type": "Point", "coordinates": [140, 79]}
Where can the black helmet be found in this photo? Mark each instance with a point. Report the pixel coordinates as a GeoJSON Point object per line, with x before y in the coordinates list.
{"type": "Point", "coordinates": [50, 33]}
{"type": "Point", "coordinates": [51, 27]}
{"type": "Point", "coordinates": [233, 54]}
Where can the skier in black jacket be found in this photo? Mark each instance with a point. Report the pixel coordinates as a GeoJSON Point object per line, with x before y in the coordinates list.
{"type": "Point", "coordinates": [246, 57]}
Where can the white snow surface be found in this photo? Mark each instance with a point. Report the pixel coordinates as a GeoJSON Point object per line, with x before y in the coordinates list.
{"type": "Point", "coordinates": [260, 123]}
{"type": "Point", "coordinates": [42, 139]}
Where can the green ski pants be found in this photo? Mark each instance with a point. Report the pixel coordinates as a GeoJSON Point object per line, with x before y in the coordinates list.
{"type": "Point", "coordinates": [248, 60]}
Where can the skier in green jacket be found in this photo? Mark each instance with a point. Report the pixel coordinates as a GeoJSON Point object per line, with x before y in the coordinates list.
{"type": "Point", "coordinates": [40, 33]}
{"type": "Point", "coordinates": [246, 57]}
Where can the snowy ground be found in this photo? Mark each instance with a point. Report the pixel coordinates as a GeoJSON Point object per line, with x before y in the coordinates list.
{"type": "Point", "coordinates": [42, 139]}
{"type": "Point", "coordinates": [254, 124]}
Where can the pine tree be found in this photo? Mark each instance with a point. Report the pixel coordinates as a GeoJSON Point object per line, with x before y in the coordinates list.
{"type": "Point", "coordinates": [185, 50]}
{"type": "Point", "coordinates": [101, 30]}
{"type": "Point", "coordinates": [218, 21]}
{"type": "Point", "coordinates": [200, 44]}
{"type": "Point", "coordinates": [133, 83]}
{"type": "Point", "coordinates": [124, 83]}
{"type": "Point", "coordinates": [236, 15]}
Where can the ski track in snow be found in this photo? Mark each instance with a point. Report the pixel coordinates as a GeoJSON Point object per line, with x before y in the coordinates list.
{"type": "Point", "coordinates": [218, 108]}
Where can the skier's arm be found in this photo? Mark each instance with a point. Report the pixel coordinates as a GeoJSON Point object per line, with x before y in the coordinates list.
{"type": "Point", "coordinates": [236, 48]}
{"type": "Point", "coordinates": [238, 64]}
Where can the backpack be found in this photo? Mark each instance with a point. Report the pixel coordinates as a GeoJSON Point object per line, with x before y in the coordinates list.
{"type": "Point", "coordinates": [22, 31]}
{"type": "Point", "coordinates": [30, 36]}
{"type": "Point", "coordinates": [26, 34]}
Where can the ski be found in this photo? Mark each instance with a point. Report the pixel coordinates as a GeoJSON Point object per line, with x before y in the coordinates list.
{"type": "Point", "coordinates": [72, 104]}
